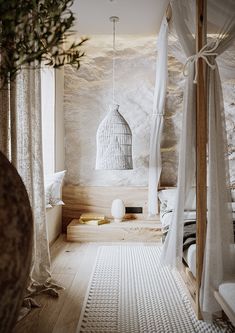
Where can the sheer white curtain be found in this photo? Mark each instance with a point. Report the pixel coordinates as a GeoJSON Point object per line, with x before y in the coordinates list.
{"type": "Point", "coordinates": [27, 157]}
{"type": "Point", "coordinates": [21, 141]}
{"type": "Point", "coordinates": [172, 250]}
{"type": "Point", "coordinates": [155, 165]}
{"type": "Point", "coordinates": [218, 256]}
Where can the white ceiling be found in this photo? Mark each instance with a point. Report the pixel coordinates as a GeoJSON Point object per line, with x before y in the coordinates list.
{"type": "Point", "coordinates": [136, 16]}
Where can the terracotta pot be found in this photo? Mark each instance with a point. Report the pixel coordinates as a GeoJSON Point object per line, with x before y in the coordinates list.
{"type": "Point", "coordinates": [16, 230]}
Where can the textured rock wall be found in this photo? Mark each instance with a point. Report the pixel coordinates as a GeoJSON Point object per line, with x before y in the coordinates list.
{"type": "Point", "coordinates": [88, 94]}
{"type": "Point", "coordinates": [229, 103]}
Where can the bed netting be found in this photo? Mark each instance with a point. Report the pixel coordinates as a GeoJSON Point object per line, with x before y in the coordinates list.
{"type": "Point", "coordinates": [219, 261]}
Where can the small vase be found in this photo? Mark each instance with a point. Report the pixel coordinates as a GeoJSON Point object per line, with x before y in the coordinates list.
{"type": "Point", "coordinates": [118, 210]}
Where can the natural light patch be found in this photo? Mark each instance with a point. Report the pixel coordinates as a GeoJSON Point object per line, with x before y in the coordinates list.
{"type": "Point", "coordinates": [48, 119]}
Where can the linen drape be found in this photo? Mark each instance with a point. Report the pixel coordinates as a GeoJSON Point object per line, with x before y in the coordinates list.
{"type": "Point", "coordinates": [218, 255]}
{"type": "Point", "coordinates": [21, 142]}
{"type": "Point", "coordinates": [172, 250]}
{"type": "Point", "coordinates": [27, 157]}
{"type": "Point", "coordinates": [155, 165]}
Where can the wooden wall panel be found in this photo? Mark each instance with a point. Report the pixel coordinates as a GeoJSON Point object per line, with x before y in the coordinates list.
{"type": "Point", "coordinates": [98, 199]}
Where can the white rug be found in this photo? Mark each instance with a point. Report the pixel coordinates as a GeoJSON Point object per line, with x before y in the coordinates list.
{"type": "Point", "coordinates": [131, 292]}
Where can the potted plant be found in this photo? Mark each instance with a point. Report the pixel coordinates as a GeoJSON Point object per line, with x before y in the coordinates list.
{"type": "Point", "coordinates": [32, 32]}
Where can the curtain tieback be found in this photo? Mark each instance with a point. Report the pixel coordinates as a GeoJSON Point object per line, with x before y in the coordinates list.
{"type": "Point", "coordinates": [204, 53]}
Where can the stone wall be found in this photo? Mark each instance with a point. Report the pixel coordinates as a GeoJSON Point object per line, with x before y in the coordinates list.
{"type": "Point", "coordinates": [88, 94]}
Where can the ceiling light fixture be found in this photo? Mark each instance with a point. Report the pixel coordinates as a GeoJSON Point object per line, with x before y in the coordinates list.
{"type": "Point", "coordinates": [114, 137]}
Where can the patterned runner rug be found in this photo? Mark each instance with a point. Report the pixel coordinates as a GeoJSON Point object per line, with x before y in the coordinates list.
{"type": "Point", "coordinates": [130, 292]}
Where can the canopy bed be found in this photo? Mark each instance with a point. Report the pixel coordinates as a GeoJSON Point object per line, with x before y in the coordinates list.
{"type": "Point", "coordinates": [203, 147]}
{"type": "Point", "coordinates": [225, 294]}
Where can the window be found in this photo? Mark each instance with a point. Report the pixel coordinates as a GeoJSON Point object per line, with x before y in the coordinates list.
{"type": "Point", "coordinates": [48, 119]}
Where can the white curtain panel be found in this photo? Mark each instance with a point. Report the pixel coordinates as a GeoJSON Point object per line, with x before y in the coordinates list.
{"type": "Point", "coordinates": [29, 162]}
{"type": "Point", "coordinates": [27, 157]}
{"type": "Point", "coordinates": [172, 250]}
{"type": "Point", "coordinates": [22, 144]}
{"type": "Point", "coordinates": [218, 256]}
{"type": "Point", "coordinates": [155, 165]}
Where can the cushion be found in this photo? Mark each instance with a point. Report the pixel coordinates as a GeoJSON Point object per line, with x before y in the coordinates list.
{"type": "Point", "coordinates": [233, 194]}
{"type": "Point", "coordinates": [233, 206]}
{"type": "Point", "coordinates": [227, 290]}
{"type": "Point", "coordinates": [168, 197]}
{"type": "Point", "coordinates": [48, 189]}
{"type": "Point", "coordinates": [53, 187]}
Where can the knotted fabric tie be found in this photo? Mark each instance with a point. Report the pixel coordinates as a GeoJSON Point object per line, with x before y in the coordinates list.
{"type": "Point", "coordinates": [204, 53]}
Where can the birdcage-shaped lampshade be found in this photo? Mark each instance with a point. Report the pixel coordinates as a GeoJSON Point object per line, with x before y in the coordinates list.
{"type": "Point", "coordinates": [114, 142]}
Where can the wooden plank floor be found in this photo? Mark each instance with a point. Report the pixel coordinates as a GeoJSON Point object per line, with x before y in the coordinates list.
{"type": "Point", "coordinates": [72, 265]}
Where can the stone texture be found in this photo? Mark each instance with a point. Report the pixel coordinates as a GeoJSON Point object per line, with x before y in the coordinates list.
{"type": "Point", "coordinates": [88, 94]}
{"type": "Point", "coordinates": [229, 103]}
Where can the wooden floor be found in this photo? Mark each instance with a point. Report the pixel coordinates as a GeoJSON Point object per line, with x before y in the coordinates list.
{"type": "Point", "coordinates": [72, 264]}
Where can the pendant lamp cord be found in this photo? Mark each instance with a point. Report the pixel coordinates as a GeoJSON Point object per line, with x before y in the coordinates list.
{"type": "Point", "coordinates": [114, 55]}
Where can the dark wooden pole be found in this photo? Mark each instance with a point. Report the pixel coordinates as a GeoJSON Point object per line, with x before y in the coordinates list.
{"type": "Point", "coordinates": [201, 143]}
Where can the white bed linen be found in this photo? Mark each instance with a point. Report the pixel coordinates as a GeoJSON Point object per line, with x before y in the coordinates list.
{"type": "Point", "coordinates": [165, 217]}
{"type": "Point", "coordinates": [227, 291]}
{"type": "Point", "coordinates": [189, 256]}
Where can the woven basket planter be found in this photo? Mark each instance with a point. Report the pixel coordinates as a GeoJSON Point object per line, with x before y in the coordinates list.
{"type": "Point", "coordinates": [114, 142]}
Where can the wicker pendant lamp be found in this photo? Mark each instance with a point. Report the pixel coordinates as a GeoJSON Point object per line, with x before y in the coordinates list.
{"type": "Point", "coordinates": [114, 138]}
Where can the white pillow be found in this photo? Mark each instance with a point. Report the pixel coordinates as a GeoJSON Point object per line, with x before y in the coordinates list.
{"type": "Point", "coordinates": [233, 206]}
{"type": "Point", "coordinates": [190, 203]}
{"type": "Point", "coordinates": [54, 184]}
{"type": "Point", "coordinates": [48, 189]}
{"type": "Point", "coordinates": [169, 197]}
{"type": "Point", "coordinates": [233, 194]}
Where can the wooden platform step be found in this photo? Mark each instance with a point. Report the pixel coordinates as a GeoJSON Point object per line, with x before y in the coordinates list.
{"type": "Point", "coordinates": [131, 231]}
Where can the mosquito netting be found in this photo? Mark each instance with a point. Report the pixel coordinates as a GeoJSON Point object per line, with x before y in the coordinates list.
{"type": "Point", "coordinates": [219, 254]}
